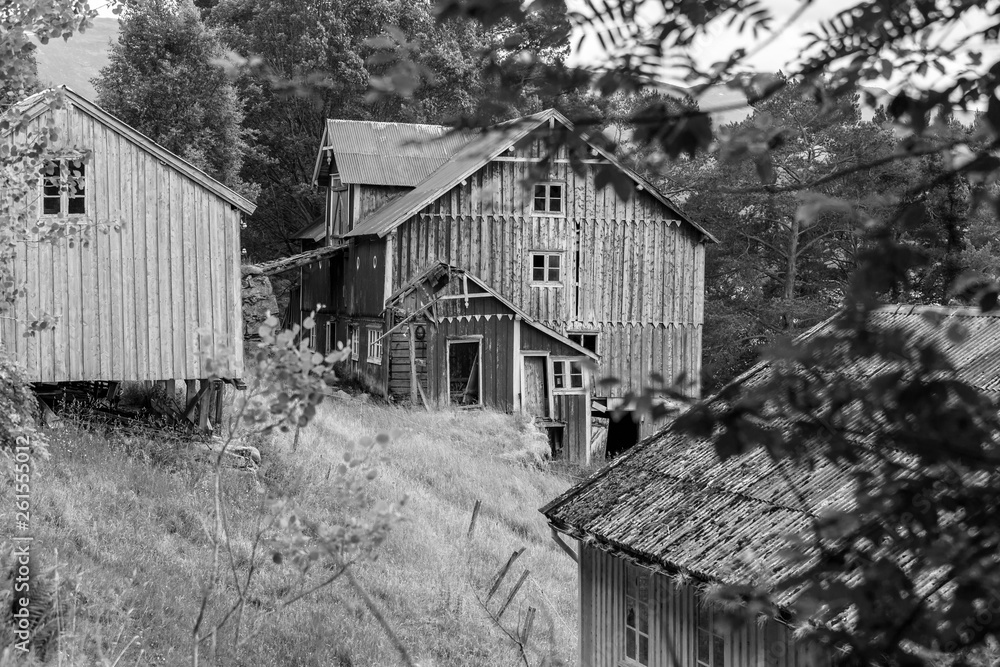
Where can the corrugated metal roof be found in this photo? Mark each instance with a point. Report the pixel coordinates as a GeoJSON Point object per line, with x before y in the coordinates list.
{"type": "Point", "coordinates": [670, 502]}
{"type": "Point", "coordinates": [473, 156]}
{"type": "Point", "coordinates": [371, 153]}
{"type": "Point", "coordinates": [313, 232]}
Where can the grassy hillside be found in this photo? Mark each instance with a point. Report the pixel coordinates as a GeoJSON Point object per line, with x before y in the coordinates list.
{"type": "Point", "coordinates": [128, 522]}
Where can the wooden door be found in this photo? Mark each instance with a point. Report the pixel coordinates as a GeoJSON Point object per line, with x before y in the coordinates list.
{"type": "Point", "coordinates": [536, 387]}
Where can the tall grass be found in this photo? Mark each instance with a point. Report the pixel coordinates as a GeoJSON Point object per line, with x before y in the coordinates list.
{"type": "Point", "coordinates": [131, 523]}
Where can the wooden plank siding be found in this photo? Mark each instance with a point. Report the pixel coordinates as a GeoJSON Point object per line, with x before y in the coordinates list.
{"type": "Point", "coordinates": [673, 623]}
{"type": "Point", "coordinates": [641, 270]}
{"type": "Point", "coordinates": [130, 301]}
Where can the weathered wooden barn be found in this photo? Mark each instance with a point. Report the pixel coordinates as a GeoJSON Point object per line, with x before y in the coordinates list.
{"type": "Point", "coordinates": [621, 278]}
{"type": "Point", "coordinates": [667, 519]}
{"type": "Point", "coordinates": [157, 286]}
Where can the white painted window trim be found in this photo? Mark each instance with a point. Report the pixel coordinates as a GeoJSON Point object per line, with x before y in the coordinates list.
{"type": "Point", "coordinates": [566, 375]}
{"type": "Point", "coordinates": [374, 345]}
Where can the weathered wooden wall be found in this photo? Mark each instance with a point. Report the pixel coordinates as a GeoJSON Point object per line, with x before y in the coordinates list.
{"type": "Point", "coordinates": [131, 302]}
{"type": "Point", "coordinates": [631, 269]}
{"type": "Point", "coordinates": [372, 197]}
{"type": "Point", "coordinates": [365, 271]}
{"type": "Point", "coordinates": [316, 285]}
{"type": "Point", "coordinates": [674, 614]}
{"type": "Point", "coordinates": [400, 373]}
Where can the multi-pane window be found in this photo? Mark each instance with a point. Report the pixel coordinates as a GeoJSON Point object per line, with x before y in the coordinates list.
{"type": "Point", "coordinates": [374, 345]}
{"type": "Point", "coordinates": [546, 267]}
{"type": "Point", "coordinates": [637, 585]}
{"type": "Point", "coordinates": [711, 644]}
{"type": "Point", "coordinates": [329, 337]}
{"type": "Point", "coordinates": [64, 187]}
{"type": "Point", "coordinates": [567, 374]}
{"type": "Point", "coordinates": [548, 198]}
{"type": "Point", "coordinates": [584, 339]}
{"type": "Point", "coordinates": [352, 336]}
{"type": "Point", "coordinates": [312, 337]}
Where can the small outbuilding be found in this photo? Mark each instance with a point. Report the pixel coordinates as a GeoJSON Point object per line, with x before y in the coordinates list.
{"type": "Point", "coordinates": [153, 284]}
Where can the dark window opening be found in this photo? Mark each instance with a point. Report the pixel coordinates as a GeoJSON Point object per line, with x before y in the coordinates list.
{"type": "Point", "coordinates": [623, 434]}
{"type": "Point", "coordinates": [637, 615]}
{"type": "Point", "coordinates": [546, 267]}
{"type": "Point", "coordinates": [463, 373]}
{"type": "Point", "coordinates": [51, 194]}
{"type": "Point", "coordinates": [585, 340]}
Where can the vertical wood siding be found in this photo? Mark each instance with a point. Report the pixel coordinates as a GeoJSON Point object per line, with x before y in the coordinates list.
{"type": "Point", "coordinates": [132, 302]}
{"type": "Point", "coordinates": [366, 277]}
{"type": "Point", "coordinates": [640, 269]}
{"type": "Point", "coordinates": [673, 623]}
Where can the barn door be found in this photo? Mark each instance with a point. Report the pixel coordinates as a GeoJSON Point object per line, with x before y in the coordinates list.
{"type": "Point", "coordinates": [536, 386]}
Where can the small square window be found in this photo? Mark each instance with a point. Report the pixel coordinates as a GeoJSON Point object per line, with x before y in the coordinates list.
{"type": "Point", "coordinates": [546, 267]}
{"type": "Point", "coordinates": [548, 198]}
{"type": "Point", "coordinates": [567, 375]}
{"type": "Point", "coordinates": [584, 339]}
{"type": "Point", "coordinates": [64, 187]}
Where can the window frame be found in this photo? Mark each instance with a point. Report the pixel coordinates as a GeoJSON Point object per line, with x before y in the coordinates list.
{"type": "Point", "coordinates": [65, 197]}
{"type": "Point", "coordinates": [562, 371]}
{"type": "Point", "coordinates": [716, 641]}
{"type": "Point", "coordinates": [374, 344]}
{"type": "Point", "coordinates": [466, 339]}
{"type": "Point", "coordinates": [548, 198]}
{"type": "Point", "coordinates": [330, 329]}
{"type": "Point", "coordinates": [573, 334]}
{"type": "Point", "coordinates": [353, 331]}
{"type": "Point", "coordinates": [633, 575]}
{"type": "Point", "coordinates": [546, 268]}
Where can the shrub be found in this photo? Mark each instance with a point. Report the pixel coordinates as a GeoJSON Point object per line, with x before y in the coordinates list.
{"type": "Point", "coordinates": [19, 411]}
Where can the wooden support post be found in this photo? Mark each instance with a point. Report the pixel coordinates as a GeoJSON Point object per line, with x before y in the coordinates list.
{"type": "Point", "coordinates": [529, 620]}
{"type": "Point", "coordinates": [414, 380]}
{"type": "Point", "coordinates": [170, 387]}
{"type": "Point", "coordinates": [220, 393]}
{"type": "Point", "coordinates": [513, 592]}
{"type": "Point", "coordinates": [204, 404]}
{"type": "Point", "coordinates": [475, 515]}
{"type": "Point", "coordinates": [503, 573]}
{"type": "Point", "coordinates": [190, 391]}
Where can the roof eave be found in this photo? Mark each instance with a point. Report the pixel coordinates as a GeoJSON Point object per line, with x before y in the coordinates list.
{"type": "Point", "coordinates": [182, 165]}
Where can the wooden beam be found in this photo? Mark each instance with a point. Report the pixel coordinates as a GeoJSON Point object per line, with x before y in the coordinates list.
{"type": "Point", "coordinates": [414, 380]}
{"type": "Point", "coordinates": [292, 262]}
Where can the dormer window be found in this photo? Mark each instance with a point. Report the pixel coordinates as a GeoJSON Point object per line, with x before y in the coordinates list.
{"type": "Point", "coordinates": [64, 187]}
{"type": "Point", "coordinates": [549, 198]}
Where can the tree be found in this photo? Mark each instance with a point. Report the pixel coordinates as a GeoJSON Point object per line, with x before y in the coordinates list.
{"type": "Point", "coordinates": [161, 80]}
{"type": "Point", "coordinates": [913, 560]}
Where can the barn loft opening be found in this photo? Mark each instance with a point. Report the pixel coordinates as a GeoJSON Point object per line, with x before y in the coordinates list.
{"type": "Point", "coordinates": [623, 432]}
{"type": "Point", "coordinates": [464, 373]}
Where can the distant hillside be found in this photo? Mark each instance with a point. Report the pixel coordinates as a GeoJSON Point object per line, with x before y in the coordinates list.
{"type": "Point", "coordinates": [76, 61]}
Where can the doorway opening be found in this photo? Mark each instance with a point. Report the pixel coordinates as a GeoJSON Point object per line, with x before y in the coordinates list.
{"type": "Point", "coordinates": [465, 376]}
{"type": "Point", "coordinates": [623, 433]}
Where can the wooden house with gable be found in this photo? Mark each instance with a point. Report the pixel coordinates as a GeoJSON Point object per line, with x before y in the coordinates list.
{"type": "Point", "coordinates": [157, 285]}
{"type": "Point", "coordinates": [602, 285]}
{"type": "Point", "coordinates": [667, 519]}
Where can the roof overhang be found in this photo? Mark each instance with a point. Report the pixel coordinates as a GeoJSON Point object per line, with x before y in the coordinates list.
{"type": "Point", "coordinates": [41, 102]}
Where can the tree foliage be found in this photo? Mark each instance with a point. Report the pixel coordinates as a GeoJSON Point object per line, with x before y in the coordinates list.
{"type": "Point", "coordinates": [161, 79]}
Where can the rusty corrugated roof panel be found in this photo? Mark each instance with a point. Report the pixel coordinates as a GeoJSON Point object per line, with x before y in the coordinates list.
{"type": "Point", "coordinates": [670, 502]}
{"type": "Point", "coordinates": [373, 153]}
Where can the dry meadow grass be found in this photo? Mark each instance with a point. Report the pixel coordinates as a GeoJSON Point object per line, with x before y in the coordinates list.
{"type": "Point", "coordinates": [126, 522]}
